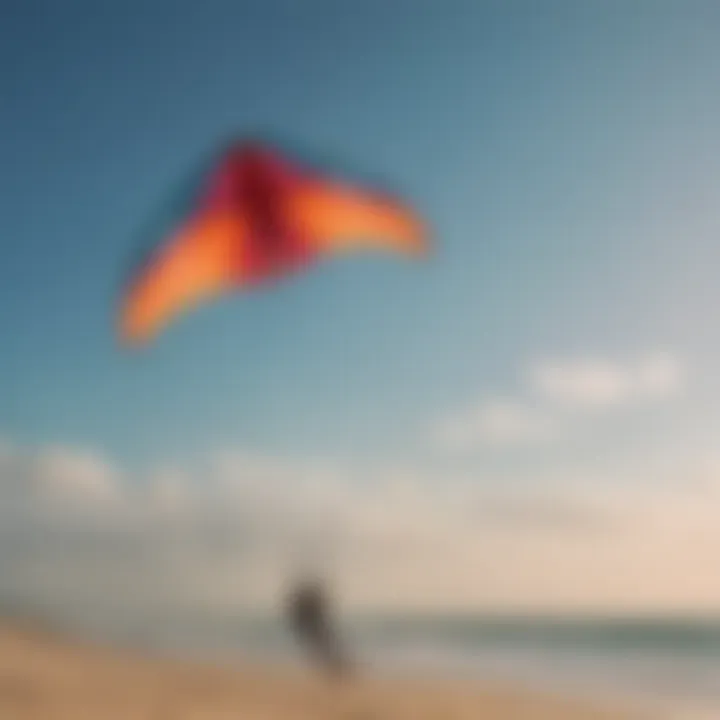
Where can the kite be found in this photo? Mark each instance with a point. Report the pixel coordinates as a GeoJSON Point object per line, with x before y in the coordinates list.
{"type": "Point", "coordinates": [258, 216]}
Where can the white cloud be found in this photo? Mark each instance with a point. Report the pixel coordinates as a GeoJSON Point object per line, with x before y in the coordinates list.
{"type": "Point", "coordinates": [68, 475]}
{"type": "Point", "coordinates": [601, 384]}
{"type": "Point", "coordinates": [556, 391]}
{"type": "Point", "coordinates": [496, 423]}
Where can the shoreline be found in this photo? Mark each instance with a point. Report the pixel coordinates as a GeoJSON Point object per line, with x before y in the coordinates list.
{"type": "Point", "coordinates": [51, 676]}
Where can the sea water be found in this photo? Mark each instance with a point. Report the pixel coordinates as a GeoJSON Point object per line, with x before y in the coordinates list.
{"type": "Point", "coordinates": [671, 666]}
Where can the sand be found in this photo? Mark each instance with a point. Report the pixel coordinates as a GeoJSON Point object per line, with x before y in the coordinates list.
{"type": "Point", "coordinates": [44, 676]}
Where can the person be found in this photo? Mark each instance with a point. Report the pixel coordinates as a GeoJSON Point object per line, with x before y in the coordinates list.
{"type": "Point", "coordinates": [309, 616]}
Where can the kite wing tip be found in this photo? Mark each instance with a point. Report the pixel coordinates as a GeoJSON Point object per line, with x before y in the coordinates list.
{"type": "Point", "coordinates": [130, 338]}
{"type": "Point", "coordinates": [420, 245]}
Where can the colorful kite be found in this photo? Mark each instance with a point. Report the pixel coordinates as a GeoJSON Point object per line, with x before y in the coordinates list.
{"type": "Point", "coordinates": [258, 216]}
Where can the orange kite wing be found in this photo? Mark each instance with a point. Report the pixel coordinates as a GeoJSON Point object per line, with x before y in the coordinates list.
{"type": "Point", "coordinates": [255, 216]}
{"type": "Point", "coordinates": [340, 218]}
{"type": "Point", "coordinates": [197, 263]}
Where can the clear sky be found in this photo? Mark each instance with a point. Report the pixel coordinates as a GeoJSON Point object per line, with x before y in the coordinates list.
{"type": "Point", "coordinates": [566, 154]}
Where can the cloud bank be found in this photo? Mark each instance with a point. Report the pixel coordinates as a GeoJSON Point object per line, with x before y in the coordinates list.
{"type": "Point", "coordinates": [76, 532]}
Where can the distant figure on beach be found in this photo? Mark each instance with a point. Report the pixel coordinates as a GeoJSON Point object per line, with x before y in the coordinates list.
{"type": "Point", "coordinates": [310, 618]}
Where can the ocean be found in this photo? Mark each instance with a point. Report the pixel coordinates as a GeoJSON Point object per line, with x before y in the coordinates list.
{"type": "Point", "coordinates": [671, 666]}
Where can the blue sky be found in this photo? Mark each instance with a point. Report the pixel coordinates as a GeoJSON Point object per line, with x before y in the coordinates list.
{"type": "Point", "coordinates": [543, 388]}
{"type": "Point", "coordinates": [565, 156]}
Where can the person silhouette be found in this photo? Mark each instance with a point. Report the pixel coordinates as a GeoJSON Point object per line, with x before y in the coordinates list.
{"type": "Point", "coordinates": [309, 615]}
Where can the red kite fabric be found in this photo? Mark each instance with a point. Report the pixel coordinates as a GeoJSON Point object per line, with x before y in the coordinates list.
{"type": "Point", "coordinates": [259, 216]}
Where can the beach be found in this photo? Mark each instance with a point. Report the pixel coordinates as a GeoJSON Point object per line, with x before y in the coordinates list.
{"type": "Point", "coordinates": [45, 676]}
